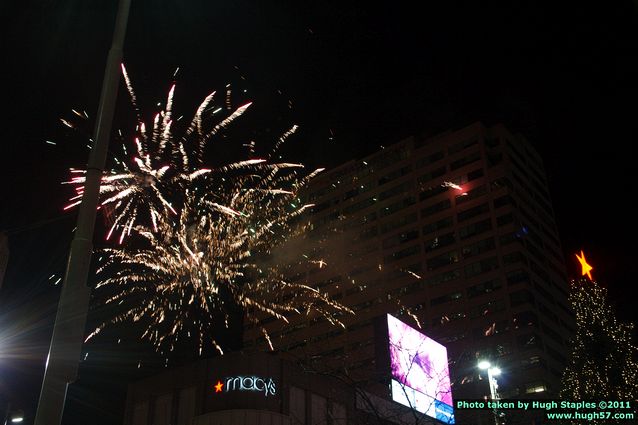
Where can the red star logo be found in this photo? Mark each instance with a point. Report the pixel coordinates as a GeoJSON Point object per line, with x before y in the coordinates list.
{"type": "Point", "coordinates": [218, 387]}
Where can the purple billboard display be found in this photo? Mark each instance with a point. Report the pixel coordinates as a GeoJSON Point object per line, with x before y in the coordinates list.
{"type": "Point", "coordinates": [420, 374]}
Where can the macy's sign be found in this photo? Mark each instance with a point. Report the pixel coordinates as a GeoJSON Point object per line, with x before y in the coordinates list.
{"type": "Point", "coordinates": [246, 383]}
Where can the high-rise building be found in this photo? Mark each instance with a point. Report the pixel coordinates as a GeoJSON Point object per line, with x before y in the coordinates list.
{"type": "Point", "coordinates": [455, 233]}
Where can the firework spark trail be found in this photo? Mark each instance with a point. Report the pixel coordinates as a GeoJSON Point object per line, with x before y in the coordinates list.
{"type": "Point", "coordinates": [452, 185]}
{"type": "Point", "coordinates": [283, 138]}
{"type": "Point", "coordinates": [162, 164]}
{"type": "Point", "coordinates": [222, 125]}
{"type": "Point", "coordinates": [131, 92]}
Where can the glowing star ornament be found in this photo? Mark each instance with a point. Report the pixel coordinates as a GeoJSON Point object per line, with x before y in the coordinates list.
{"type": "Point", "coordinates": [586, 268]}
{"type": "Point", "coordinates": [218, 387]}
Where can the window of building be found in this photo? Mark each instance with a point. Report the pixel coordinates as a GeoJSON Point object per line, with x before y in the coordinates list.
{"type": "Point", "coordinates": [532, 361]}
{"type": "Point", "coordinates": [473, 157]}
{"type": "Point", "coordinates": [503, 201]}
{"type": "Point", "coordinates": [186, 405]}
{"type": "Point", "coordinates": [443, 277]}
{"type": "Point", "coordinates": [297, 405]}
{"type": "Point", "coordinates": [458, 147]}
{"type": "Point", "coordinates": [454, 296]}
{"type": "Point", "coordinates": [514, 257]}
{"type": "Point", "coordinates": [517, 276]}
{"type": "Point", "coordinates": [539, 271]}
{"type": "Point", "coordinates": [442, 260]}
{"type": "Point", "coordinates": [524, 319]}
{"type": "Point", "coordinates": [500, 183]}
{"type": "Point", "coordinates": [369, 217]}
{"type": "Point", "coordinates": [320, 193]}
{"type": "Point", "coordinates": [431, 192]}
{"type": "Point", "coordinates": [477, 248]}
{"type": "Point", "coordinates": [400, 238]}
{"type": "Point", "coordinates": [389, 157]}
{"type": "Point", "coordinates": [509, 238]}
{"type": "Point", "coordinates": [396, 190]}
{"type": "Point", "coordinates": [452, 338]}
{"type": "Point", "coordinates": [535, 387]}
{"type": "Point", "coordinates": [397, 206]}
{"type": "Point", "coordinates": [359, 205]}
{"type": "Point", "coordinates": [140, 413]}
{"type": "Point", "coordinates": [472, 194]}
{"type": "Point", "coordinates": [439, 206]}
{"type": "Point", "coordinates": [337, 413]}
{"type": "Point", "coordinates": [529, 341]}
{"type": "Point", "coordinates": [322, 206]}
{"type": "Point", "coordinates": [504, 219]}
{"type": "Point", "coordinates": [406, 252]}
{"type": "Point", "coordinates": [556, 355]}
{"type": "Point", "coordinates": [481, 266]}
{"type": "Point", "coordinates": [475, 228]}
{"type": "Point", "coordinates": [162, 410]}
{"type": "Point", "coordinates": [492, 329]}
{"type": "Point", "coordinates": [438, 225]}
{"type": "Point", "coordinates": [318, 410]}
{"type": "Point", "coordinates": [521, 297]}
{"type": "Point", "coordinates": [552, 334]}
{"type": "Point", "coordinates": [492, 142]}
{"type": "Point", "coordinates": [361, 188]}
{"type": "Point", "coordinates": [487, 308]}
{"type": "Point", "coordinates": [473, 175]}
{"type": "Point", "coordinates": [389, 226]}
{"type": "Point", "coordinates": [395, 175]}
{"type": "Point", "coordinates": [441, 241]}
{"type": "Point", "coordinates": [493, 159]}
{"type": "Point", "coordinates": [484, 288]}
{"type": "Point", "coordinates": [503, 349]}
{"type": "Point", "coordinates": [472, 212]}
{"type": "Point", "coordinates": [429, 159]}
{"type": "Point", "coordinates": [548, 297]}
{"type": "Point", "coordinates": [447, 318]}
{"type": "Point", "coordinates": [369, 233]}
{"type": "Point", "coordinates": [431, 175]}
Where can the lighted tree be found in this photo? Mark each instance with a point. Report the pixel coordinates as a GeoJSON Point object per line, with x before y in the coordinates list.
{"type": "Point", "coordinates": [603, 359]}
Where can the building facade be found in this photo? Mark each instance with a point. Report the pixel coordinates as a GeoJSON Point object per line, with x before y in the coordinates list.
{"type": "Point", "coordinates": [257, 389]}
{"type": "Point", "coordinates": [455, 233]}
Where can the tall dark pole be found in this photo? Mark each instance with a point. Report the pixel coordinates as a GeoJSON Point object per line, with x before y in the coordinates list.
{"type": "Point", "coordinates": [70, 321]}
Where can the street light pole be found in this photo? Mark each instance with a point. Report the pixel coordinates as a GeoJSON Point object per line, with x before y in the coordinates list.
{"type": "Point", "coordinates": [492, 372]}
{"type": "Point", "coordinates": [70, 321]}
{"type": "Point", "coordinates": [493, 387]}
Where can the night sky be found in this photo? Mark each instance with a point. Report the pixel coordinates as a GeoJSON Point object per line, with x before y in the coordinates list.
{"type": "Point", "coordinates": [354, 78]}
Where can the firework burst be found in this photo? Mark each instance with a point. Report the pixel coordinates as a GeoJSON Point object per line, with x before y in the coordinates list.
{"type": "Point", "coordinates": [205, 250]}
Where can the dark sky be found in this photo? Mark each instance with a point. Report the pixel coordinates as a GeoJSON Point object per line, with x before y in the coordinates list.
{"type": "Point", "coordinates": [357, 76]}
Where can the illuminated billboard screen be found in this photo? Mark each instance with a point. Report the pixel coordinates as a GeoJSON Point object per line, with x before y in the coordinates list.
{"type": "Point", "coordinates": [420, 374]}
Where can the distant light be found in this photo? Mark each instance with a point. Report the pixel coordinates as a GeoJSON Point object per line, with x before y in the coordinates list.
{"type": "Point", "coordinates": [495, 371]}
{"type": "Point", "coordinates": [17, 420]}
{"type": "Point", "coordinates": [484, 364]}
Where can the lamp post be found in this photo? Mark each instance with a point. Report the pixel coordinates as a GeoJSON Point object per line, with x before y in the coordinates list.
{"type": "Point", "coordinates": [492, 373]}
{"type": "Point", "coordinates": [13, 416]}
{"type": "Point", "coordinates": [70, 320]}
